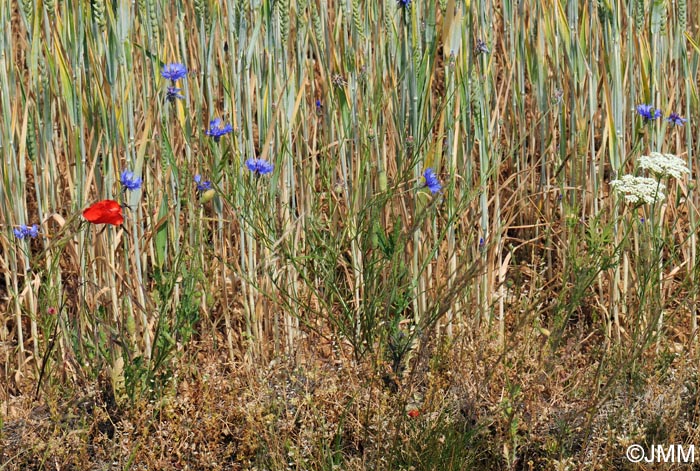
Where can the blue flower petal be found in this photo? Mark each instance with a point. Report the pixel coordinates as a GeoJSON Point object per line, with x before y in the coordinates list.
{"type": "Point", "coordinates": [431, 180]}
{"type": "Point", "coordinates": [174, 71]}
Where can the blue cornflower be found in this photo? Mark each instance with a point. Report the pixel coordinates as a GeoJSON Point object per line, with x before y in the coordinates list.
{"type": "Point", "coordinates": [404, 3]}
{"type": "Point", "coordinates": [218, 129]}
{"type": "Point", "coordinates": [259, 166]}
{"type": "Point", "coordinates": [202, 186]}
{"type": "Point", "coordinates": [648, 112]}
{"type": "Point", "coordinates": [174, 72]}
{"type": "Point", "coordinates": [675, 118]}
{"type": "Point", "coordinates": [431, 180]}
{"type": "Point", "coordinates": [173, 93]}
{"type": "Point", "coordinates": [129, 181]}
{"type": "Point", "coordinates": [33, 231]}
{"type": "Point", "coordinates": [23, 231]}
{"type": "Point", "coordinates": [481, 47]}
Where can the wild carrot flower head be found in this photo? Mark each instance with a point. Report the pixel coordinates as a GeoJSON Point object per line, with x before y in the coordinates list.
{"type": "Point", "coordinates": [664, 165]}
{"type": "Point", "coordinates": [174, 72]}
{"type": "Point", "coordinates": [648, 112]}
{"type": "Point", "coordinates": [218, 129]}
{"type": "Point", "coordinates": [639, 189]}
{"type": "Point", "coordinates": [129, 181]}
{"type": "Point", "coordinates": [259, 166]}
{"type": "Point", "coordinates": [202, 185]}
{"type": "Point", "coordinates": [675, 118]}
{"type": "Point", "coordinates": [431, 180]}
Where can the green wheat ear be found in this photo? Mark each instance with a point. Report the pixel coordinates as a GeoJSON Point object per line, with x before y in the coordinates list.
{"type": "Point", "coordinates": [283, 12]}
{"type": "Point", "coordinates": [639, 14]}
{"type": "Point", "coordinates": [28, 9]}
{"type": "Point", "coordinates": [50, 6]}
{"type": "Point", "coordinates": [682, 15]}
{"type": "Point", "coordinates": [98, 12]}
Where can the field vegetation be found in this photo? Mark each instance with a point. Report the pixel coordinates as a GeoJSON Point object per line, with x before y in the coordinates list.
{"type": "Point", "coordinates": [347, 234]}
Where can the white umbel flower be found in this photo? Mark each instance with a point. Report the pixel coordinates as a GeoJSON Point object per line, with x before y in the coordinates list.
{"type": "Point", "coordinates": [664, 165]}
{"type": "Point", "coordinates": [639, 189]}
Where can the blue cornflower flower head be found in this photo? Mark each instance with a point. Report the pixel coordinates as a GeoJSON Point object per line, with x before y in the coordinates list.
{"type": "Point", "coordinates": [259, 166]}
{"type": "Point", "coordinates": [23, 231]}
{"type": "Point", "coordinates": [33, 231]}
{"type": "Point", "coordinates": [404, 3]}
{"type": "Point", "coordinates": [675, 118]}
{"type": "Point", "coordinates": [481, 47]}
{"type": "Point", "coordinates": [648, 112]}
{"type": "Point", "coordinates": [20, 232]}
{"type": "Point", "coordinates": [202, 186]}
{"type": "Point", "coordinates": [174, 72]}
{"type": "Point", "coordinates": [173, 93]}
{"type": "Point", "coordinates": [218, 129]}
{"type": "Point", "coordinates": [129, 181]}
{"type": "Point", "coordinates": [431, 180]}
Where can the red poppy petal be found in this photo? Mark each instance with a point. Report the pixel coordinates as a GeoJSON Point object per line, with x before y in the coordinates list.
{"type": "Point", "coordinates": [105, 212]}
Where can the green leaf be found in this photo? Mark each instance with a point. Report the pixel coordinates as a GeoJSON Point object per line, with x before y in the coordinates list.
{"type": "Point", "coordinates": [162, 234]}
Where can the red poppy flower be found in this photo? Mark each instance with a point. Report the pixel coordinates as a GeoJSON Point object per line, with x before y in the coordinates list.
{"type": "Point", "coordinates": [105, 212]}
{"type": "Point", "coordinates": [413, 413]}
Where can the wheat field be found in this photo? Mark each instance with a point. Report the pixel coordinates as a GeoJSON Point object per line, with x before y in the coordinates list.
{"type": "Point", "coordinates": [348, 234]}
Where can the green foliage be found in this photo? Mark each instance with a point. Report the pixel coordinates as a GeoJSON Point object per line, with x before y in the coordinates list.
{"type": "Point", "coordinates": [175, 326]}
{"type": "Point", "coordinates": [583, 268]}
{"type": "Point", "coordinates": [440, 442]}
{"type": "Point", "coordinates": [341, 249]}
